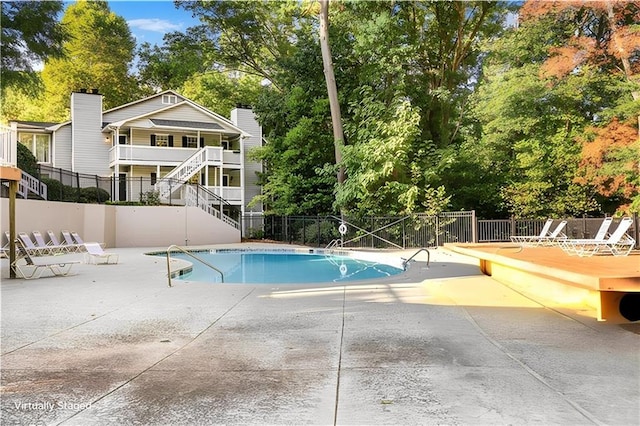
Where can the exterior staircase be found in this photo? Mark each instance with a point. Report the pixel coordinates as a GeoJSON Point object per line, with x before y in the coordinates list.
{"type": "Point", "coordinates": [199, 196]}
{"type": "Point", "coordinates": [195, 195]}
{"type": "Point", "coordinates": [29, 184]}
{"type": "Point", "coordinates": [179, 175]}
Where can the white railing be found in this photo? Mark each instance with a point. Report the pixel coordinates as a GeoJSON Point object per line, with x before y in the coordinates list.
{"type": "Point", "coordinates": [148, 154]}
{"type": "Point", "coordinates": [231, 157]}
{"type": "Point", "coordinates": [30, 184]}
{"type": "Point", "coordinates": [193, 197]}
{"type": "Point", "coordinates": [8, 148]}
{"type": "Point", "coordinates": [205, 156]}
{"type": "Point", "coordinates": [232, 194]}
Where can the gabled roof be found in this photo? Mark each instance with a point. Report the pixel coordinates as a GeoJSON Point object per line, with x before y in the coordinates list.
{"type": "Point", "coordinates": [189, 124]}
{"type": "Point", "coordinates": [35, 124]}
{"type": "Point", "coordinates": [166, 92]}
{"type": "Point", "coordinates": [186, 124]}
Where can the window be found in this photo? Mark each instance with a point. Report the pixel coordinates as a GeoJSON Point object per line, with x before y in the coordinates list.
{"type": "Point", "coordinates": [154, 178]}
{"type": "Point", "coordinates": [225, 180]}
{"type": "Point", "coordinates": [39, 144]}
{"type": "Point", "coordinates": [225, 145]}
{"type": "Point", "coordinates": [169, 99]}
{"type": "Point", "coordinates": [162, 140]}
{"type": "Point", "coordinates": [190, 141]}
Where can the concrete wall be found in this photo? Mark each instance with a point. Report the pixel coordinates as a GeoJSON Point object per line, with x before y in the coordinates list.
{"type": "Point", "coordinates": [120, 226]}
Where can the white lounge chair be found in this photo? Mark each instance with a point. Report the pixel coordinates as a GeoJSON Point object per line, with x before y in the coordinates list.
{"type": "Point", "coordinates": [4, 251]}
{"type": "Point", "coordinates": [556, 236]}
{"type": "Point", "coordinates": [617, 244]}
{"type": "Point", "coordinates": [68, 241]}
{"type": "Point", "coordinates": [600, 236]}
{"type": "Point", "coordinates": [30, 247]}
{"type": "Point", "coordinates": [52, 249]}
{"type": "Point", "coordinates": [528, 239]}
{"type": "Point", "coordinates": [33, 267]}
{"type": "Point", "coordinates": [97, 256]}
{"type": "Point", "coordinates": [54, 241]}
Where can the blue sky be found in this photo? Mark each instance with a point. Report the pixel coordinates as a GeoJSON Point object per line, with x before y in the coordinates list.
{"type": "Point", "coordinates": [150, 20]}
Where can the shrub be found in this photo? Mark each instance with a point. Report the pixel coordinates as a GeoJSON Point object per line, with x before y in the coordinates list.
{"type": "Point", "coordinates": [93, 195]}
{"type": "Point", "coordinates": [150, 198]}
{"type": "Point", "coordinates": [55, 189]}
{"type": "Point", "coordinates": [26, 161]}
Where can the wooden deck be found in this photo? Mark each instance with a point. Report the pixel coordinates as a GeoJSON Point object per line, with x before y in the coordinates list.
{"type": "Point", "coordinates": [607, 283]}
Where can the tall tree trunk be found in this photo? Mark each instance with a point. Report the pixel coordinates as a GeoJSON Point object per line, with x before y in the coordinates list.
{"type": "Point", "coordinates": [624, 55]}
{"type": "Point", "coordinates": [336, 118]}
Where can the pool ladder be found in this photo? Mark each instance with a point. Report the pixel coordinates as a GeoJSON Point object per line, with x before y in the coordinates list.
{"type": "Point", "coordinates": [404, 262]}
{"type": "Point", "coordinates": [178, 248]}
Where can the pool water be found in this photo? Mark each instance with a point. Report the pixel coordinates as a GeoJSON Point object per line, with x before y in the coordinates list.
{"type": "Point", "coordinates": [282, 268]}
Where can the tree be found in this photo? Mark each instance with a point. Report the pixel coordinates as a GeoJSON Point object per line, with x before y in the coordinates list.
{"type": "Point", "coordinates": [182, 56]}
{"type": "Point", "coordinates": [332, 90]}
{"type": "Point", "coordinates": [250, 36]}
{"type": "Point", "coordinates": [99, 55]}
{"type": "Point", "coordinates": [611, 165]}
{"type": "Point", "coordinates": [605, 34]}
{"type": "Point", "coordinates": [31, 34]}
{"type": "Point", "coordinates": [221, 91]}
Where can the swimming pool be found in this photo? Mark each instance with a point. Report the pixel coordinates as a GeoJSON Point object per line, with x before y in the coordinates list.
{"type": "Point", "coordinates": [283, 267]}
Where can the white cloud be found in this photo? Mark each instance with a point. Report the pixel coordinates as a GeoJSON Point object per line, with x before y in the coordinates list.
{"type": "Point", "coordinates": [154, 24]}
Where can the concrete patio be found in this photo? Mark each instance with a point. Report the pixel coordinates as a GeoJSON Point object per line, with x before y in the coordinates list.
{"type": "Point", "coordinates": [114, 345]}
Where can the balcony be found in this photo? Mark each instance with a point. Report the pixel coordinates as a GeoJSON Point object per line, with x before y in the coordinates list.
{"type": "Point", "coordinates": [153, 155]}
{"type": "Point", "coordinates": [232, 194]}
{"type": "Point", "coordinates": [8, 148]}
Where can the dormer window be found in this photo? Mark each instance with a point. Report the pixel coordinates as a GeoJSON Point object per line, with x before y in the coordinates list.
{"type": "Point", "coordinates": [169, 99]}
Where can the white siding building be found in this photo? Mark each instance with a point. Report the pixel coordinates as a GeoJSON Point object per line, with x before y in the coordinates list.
{"type": "Point", "coordinates": [165, 143]}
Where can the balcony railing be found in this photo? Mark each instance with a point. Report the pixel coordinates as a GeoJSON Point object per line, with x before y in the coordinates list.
{"type": "Point", "coordinates": [8, 148]}
{"type": "Point", "coordinates": [136, 154]}
{"type": "Point", "coordinates": [233, 194]}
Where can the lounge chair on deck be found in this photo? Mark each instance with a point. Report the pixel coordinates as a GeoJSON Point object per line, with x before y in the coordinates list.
{"type": "Point", "coordinates": [617, 244]}
{"type": "Point", "coordinates": [556, 236]}
{"type": "Point", "coordinates": [52, 249]}
{"type": "Point", "coordinates": [34, 266]}
{"type": "Point", "coordinates": [30, 247]}
{"type": "Point", "coordinates": [96, 255]}
{"type": "Point", "coordinates": [600, 236]}
{"type": "Point", "coordinates": [528, 239]}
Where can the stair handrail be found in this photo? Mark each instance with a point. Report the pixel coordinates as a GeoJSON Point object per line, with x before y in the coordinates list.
{"type": "Point", "coordinates": [166, 180]}
{"type": "Point", "coordinates": [173, 246]}
{"type": "Point", "coordinates": [205, 205]}
{"type": "Point", "coordinates": [404, 262]}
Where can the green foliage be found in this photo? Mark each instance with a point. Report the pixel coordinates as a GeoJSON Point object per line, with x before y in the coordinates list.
{"type": "Point", "coordinates": [256, 233]}
{"type": "Point", "coordinates": [150, 198]}
{"type": "Point", "coordinates": [222, 91]}
{"type": "Point", "coordinates": [124, 203]}
{"type": "Point", "coordinates": [528, 150]}
{"type": "Point", "coordinates": [55, 189]}
{"type": "Point", "coordinates": [182, 56]}
{"type": "Point", "coordinates": [26, 161]}
{"type": "Point", "coordinates": [98, 56]}
{"type": "Point", "coordinates": [31, 33]}
{"type": "Point", "coordinates": [323, 230]}
{"type": "Point", "coordinates": [93, 195]}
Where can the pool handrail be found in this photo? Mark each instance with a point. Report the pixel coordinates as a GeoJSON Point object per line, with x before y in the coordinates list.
{"type": "Point", "coordinates": [404, 262]}
{"type": "Point", "coordinates": [188, 253]}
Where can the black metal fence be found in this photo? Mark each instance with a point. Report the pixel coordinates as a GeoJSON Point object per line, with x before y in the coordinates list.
{"type": "Point", "coordinates": [409, 231]}
{"type": "Point", "coordinates": [372, 232]}
{"type": "Point", "coordinates": [64, 185]}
